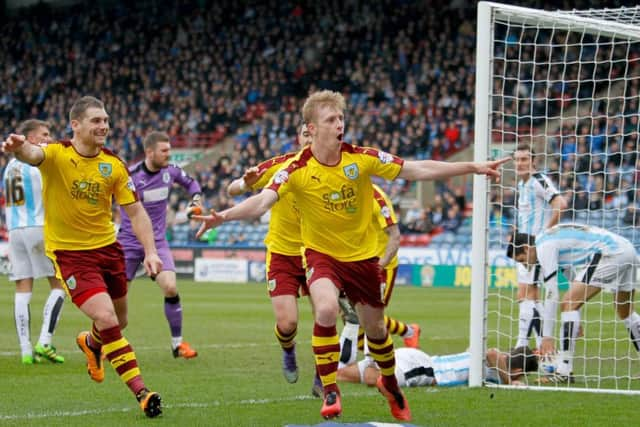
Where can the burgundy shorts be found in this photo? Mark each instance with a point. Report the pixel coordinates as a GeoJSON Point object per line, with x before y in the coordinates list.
{"type": "Point", "coordinates": [285, 275]}
{"type": "Point", "coordinates": [90, 272]}
{"type": "Point", "coordinates": [389, 275]}
{"type": "Point", "coordinates": [361, 281]}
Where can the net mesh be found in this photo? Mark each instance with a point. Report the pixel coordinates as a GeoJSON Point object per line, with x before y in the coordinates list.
{"type": "Point", "coordinates": [569, 88]}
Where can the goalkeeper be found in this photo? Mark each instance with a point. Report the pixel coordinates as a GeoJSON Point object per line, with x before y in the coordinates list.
{"type": "Point", "coordinates": [594, 259]}
{"type": "Point", "coordinates": [153, 178]}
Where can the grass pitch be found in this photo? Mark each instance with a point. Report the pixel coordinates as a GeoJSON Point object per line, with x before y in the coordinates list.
{"type": "Point", "coordinates": [236, 380]}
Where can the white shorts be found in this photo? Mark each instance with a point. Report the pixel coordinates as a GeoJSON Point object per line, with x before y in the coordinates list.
{"type": "Point", "coordinates": [26, 254]}
{"type": "Point", "coordinates": [528, 276]}
{"type": "Point", "coordinates": [612, 273]}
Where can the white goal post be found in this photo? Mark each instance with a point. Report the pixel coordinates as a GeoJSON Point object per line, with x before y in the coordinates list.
{"type": "Point", "coordinates": [559, 81]}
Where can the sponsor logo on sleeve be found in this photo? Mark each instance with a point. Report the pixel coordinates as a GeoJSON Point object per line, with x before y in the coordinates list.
{"type": "Point", "coordinates": [281, 177]}
{"type": "Point", "coordinates": [385, 157]}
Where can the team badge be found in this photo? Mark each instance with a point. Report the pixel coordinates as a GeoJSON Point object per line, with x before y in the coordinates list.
{"type": "Point", "coordinates": [105, 169]}
{"type": "Point", "coordinates": [271, 285]}
{"type": "Point", "coordinates": [309, 273]}
{"type": "Point", "coordinates": [385, 157]}
{"type": "Point", "coordinates": [386, 212]}
{"type": "Point", "coordinates": [351, 171]}
{"type": "Point", "coordinates": [166, 177]}
{"type": "Point", "coordinates": [71, 282]}
{"type": "Point", "coordinates": [383, 289]}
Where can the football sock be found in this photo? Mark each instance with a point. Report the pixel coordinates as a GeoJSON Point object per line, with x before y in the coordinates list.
{"type": "Point", "coordinates": [286, 340]}
{"type": "Point", "coordinates": [23, 321]}
{"type": "Point", "coordinates": [173, 313]}
{"type": "Point", "coordinates": [121, 356]}
{"type": "Point", "coordinates": [632, 323]}
{"type": "Point", "coordinates": [326, 349]}
{"type": "Point", "coordinates": [95, 341]}
{"type": "Point", "coordinates": [568, 334]}
{"type": "Point", "coordinates": [361, 339]}
{"type": "Point", "coordinates": [51, 315]}
{"type": "Point", "coordinates": [382, 352]}
{"type": "Point", "coordinates": [395, 327]}
{"type": "Point", "coordinates": [537, 322]}
{"type": "Point", "coordinates": [527, 321]}
{"type": "Point", "coordinates": [348, 344]}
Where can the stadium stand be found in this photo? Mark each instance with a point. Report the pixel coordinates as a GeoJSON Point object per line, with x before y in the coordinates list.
{"type": "Point", "coordinates": [239, 72]}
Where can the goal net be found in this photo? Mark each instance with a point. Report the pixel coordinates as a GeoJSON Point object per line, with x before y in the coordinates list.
{"type": "Point", "coordinates": [566, 83]}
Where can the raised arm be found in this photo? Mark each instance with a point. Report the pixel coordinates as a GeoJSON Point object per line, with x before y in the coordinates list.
{"type": "Point", "coordinates": [25, 152]}
{"type": "Point", "coordinates": [253, 207]}
{"type": "Point", "coordinates": [422, 170]}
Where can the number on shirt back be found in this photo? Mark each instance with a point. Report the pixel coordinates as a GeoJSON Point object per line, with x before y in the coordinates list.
{"type": "Point", "coordinates": [14, 191]}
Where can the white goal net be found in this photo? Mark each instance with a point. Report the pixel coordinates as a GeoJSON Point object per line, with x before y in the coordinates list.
{"type": "Point", "coordinates": [566, 83]}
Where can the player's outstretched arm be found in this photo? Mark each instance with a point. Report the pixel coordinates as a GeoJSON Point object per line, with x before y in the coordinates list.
{"type": "Point", "coordinates": [25, 152]}
{"type": "Point", "coordinates": [253, 207]}
{"type": "Point", "coordinates": [141, 225]}
{"type": "Point", "coordinates": [422, 170]}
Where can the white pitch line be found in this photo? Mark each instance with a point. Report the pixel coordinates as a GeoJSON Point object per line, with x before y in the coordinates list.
{"type": "Point", "coordinates": [210, 346]}
{"type": "Point", "coordinates": [215, 403]}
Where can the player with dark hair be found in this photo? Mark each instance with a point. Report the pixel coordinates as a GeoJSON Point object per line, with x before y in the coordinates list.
{"type": "Point", "coordinates": [153, 178]}
{"type": "Point", "coordinates": [81, 179]}
{"type": "Point", "coordinates": [415, 368]}
{"type": "Point", "coordinates": [593, 259]}
{"type": "Point", "coordinates": [539, 205]}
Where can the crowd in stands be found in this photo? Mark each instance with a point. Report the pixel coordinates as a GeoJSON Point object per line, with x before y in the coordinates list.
{"type": "Point", "coordinates": [206, 70]}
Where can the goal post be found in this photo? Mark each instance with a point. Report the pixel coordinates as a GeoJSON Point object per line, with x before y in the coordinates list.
{"type": "Point", "coordinates": [559, 81]}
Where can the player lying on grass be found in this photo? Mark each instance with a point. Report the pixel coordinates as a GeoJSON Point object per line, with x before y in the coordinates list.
{"type": "Point", "coordinates": [415, 368]}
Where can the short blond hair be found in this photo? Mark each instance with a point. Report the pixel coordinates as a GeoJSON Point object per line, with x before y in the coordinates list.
{"type": "Point", "coordinates": [319, 99]}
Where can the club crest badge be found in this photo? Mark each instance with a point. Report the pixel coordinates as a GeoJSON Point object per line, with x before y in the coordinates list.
{"type": "Point", "coordinates": [105, 169]}
{"type": "Point", "coordinates": [71, 282]}
{"type": "Point", "coordinates": [351, 171]}
{"type": "Point", "coordinates": [166, 177]}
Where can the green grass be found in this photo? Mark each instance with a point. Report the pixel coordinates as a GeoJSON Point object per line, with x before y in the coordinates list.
{"type": "Point", "coordinates": [236, 379]}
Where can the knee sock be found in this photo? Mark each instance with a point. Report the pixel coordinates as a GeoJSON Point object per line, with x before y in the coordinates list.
{"type": "Point", "coordinates": [529, 321]}
{"type": "Point", "coordinates": [570, 326]}
{"type": "Point", "coordinates": [348, 344]}
{"type": "Point", "coordinates": [22, 317]}
{"type": "Point", "coordinates": [173, 313]}
{"type": "Point", "coordinates": [396, 327]}
{"type": "Point", "coordinates": [326, 348]}
{"type": "Point", "coordinates": [51, 315]}
{"type": "Point", "coordinates": [121, 356]}
{"type": "Point", "coordinates": [632, 323]}
{"type": "Point", "coordinates": [286, 340]}
{"type": "Point", "coordinates": [382, 352]}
